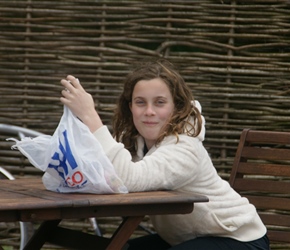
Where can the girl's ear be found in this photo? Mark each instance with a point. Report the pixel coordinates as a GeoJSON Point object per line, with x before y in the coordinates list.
{"type": "Point", "coordinates": [130, 106]}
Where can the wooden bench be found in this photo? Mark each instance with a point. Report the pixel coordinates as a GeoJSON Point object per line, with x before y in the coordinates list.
{"type": "Point", "coordinates": [261, 172]}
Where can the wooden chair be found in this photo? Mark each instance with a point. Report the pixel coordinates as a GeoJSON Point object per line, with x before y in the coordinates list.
{"type": "Point", "coordinates": [261, 172]}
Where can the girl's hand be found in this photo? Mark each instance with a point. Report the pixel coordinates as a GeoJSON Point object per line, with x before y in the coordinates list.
{"type": "Point", "coordinates": [80, 102]}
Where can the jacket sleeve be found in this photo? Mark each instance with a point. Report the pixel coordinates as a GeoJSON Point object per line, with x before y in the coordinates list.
{"type": "Point", "coordinates": [169, 166]}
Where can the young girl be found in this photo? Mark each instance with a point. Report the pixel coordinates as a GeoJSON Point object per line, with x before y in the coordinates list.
{"type": "Point", "coordinates": [158, 144]}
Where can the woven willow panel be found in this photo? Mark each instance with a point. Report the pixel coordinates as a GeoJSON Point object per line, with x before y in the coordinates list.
{"type": "Point", "coordinates": [235, 55]}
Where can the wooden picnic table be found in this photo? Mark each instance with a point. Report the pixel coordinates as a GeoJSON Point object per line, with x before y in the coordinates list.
{"type": "Point", "coordinates": [27, 200]}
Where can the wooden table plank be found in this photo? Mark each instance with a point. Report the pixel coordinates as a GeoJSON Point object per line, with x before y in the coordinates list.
{"type": "Point", "coordinates": [31, 194]}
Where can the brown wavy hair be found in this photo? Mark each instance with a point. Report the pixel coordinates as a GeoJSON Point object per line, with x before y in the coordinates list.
{"type": "Point", "coordinates": [124, 129]}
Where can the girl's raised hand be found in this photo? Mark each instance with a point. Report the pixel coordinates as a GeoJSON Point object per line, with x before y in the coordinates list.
{"type": "Point", "coordinates": [80, 102]}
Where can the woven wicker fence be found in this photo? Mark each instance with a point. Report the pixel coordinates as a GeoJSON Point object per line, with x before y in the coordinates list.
{"type": "Point", "coordinates": [235, 55]}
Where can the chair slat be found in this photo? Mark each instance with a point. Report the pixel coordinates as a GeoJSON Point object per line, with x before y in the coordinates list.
{"type": "Point", "coordinates": [268, 137]}
{"type": "Point", "coordinates": [278, 236]}
{"type": "Point", "coordinates": [264, 169]}
{"type": "Point", "coordinates": [265, 186]}
{"type": "Point", "coordinates": [275, 219]}
{"type": "Point", "coordinates": [266, 202]}
{"type": "Point", "coordinates": [266, 153]}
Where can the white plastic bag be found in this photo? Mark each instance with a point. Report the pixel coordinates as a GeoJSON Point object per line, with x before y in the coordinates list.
{"type": "Point", "coordinates": [73, 160]}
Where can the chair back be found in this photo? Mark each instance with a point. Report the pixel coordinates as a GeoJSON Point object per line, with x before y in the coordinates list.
{"type": "Point", "coordinates": [261, 172]}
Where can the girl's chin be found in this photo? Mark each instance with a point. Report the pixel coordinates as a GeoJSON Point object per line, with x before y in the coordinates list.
{"type": "Point", "coordinates": [149, 137]}
{"type": "Point", "coordinates": [149, 133]}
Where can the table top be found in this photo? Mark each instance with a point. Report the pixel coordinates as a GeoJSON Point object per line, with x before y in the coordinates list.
{"type": "Point", "coordinates": [28, 200]}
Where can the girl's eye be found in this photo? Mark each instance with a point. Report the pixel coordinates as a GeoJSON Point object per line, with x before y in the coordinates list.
{"type": "Point", "coordinates": [139, 102]}
{"type": "Point", "coordinates": [160, 102]}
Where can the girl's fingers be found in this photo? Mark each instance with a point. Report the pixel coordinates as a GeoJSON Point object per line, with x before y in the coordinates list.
{"type": "Point", "coordinates": [70, 83]}
{"type": "Point", "coordinates": [74, 81]}
{"type": "Point", "coordinates": [68, 88]}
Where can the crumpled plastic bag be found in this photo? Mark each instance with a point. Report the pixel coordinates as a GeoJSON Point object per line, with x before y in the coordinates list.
{"type": "Point", "coordinates": [72, 158]}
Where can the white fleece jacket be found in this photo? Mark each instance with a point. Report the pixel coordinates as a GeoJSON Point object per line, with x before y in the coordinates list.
{"type": "Point", "coordinates": [185, 166]}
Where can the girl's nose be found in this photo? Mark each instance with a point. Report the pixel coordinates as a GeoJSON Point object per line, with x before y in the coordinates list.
{"type": "Point", "coordinates": [149, 110]}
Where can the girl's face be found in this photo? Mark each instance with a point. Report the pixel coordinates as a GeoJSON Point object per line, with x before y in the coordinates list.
{"type": "Point", "coordinates": [152, 106]}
